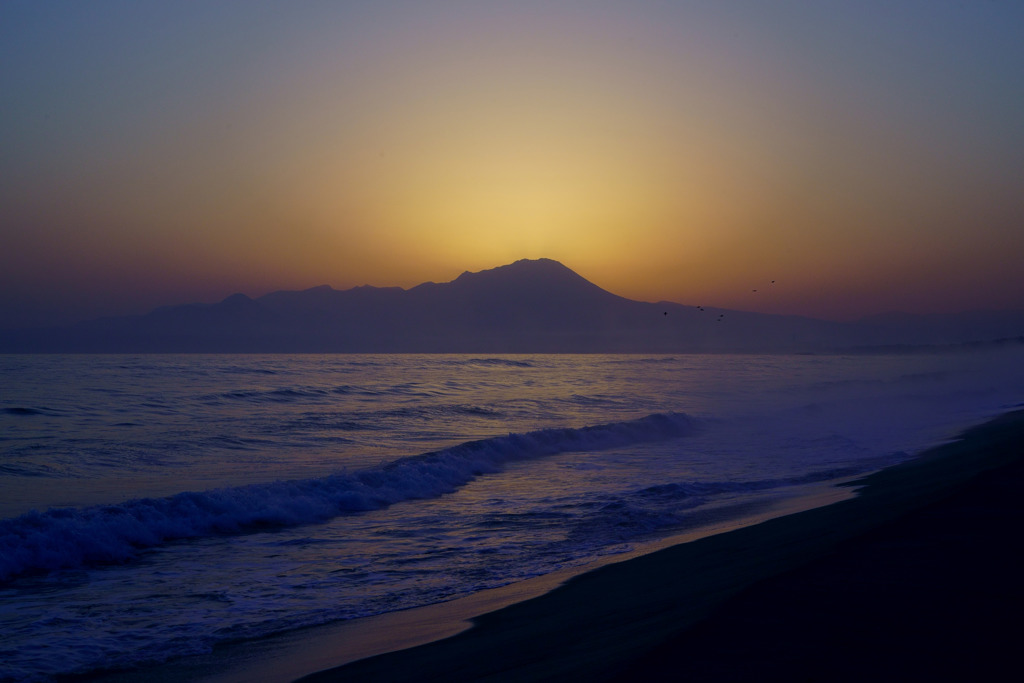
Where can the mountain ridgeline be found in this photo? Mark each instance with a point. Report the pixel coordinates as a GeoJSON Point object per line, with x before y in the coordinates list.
{"type": "Point", "coordinates": [530, 306]}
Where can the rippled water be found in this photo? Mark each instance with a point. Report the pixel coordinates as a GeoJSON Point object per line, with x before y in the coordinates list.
{"type": "Point", "coordinates": [151, 506]}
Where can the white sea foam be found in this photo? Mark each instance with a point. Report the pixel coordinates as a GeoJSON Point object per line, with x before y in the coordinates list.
{"type": "Point", "coordinates": [69, 537]}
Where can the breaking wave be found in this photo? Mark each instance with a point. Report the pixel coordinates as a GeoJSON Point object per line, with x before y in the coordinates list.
{"type": "Point", "coordinates": [75, 537]}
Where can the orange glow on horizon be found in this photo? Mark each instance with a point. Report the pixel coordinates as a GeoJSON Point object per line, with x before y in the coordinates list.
{"type": "Point", "coordinates": [663, 152]}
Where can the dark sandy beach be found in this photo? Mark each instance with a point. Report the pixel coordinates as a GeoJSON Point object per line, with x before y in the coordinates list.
{"type": "Point", "coordinates": [918, 577]}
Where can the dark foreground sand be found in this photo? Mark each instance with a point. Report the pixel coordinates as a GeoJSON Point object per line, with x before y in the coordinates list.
{"type": "Point", "coordinates": [920, 577]}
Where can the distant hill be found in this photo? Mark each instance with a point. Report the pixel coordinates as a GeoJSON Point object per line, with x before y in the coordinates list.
{"type": "Point", "coordinates": [530, 306]}
{"type": "Point", "coordinates": [949, 328]}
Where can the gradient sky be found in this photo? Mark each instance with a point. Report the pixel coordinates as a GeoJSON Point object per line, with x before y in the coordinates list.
{"type": "Point", "coordinates": [868, 156]}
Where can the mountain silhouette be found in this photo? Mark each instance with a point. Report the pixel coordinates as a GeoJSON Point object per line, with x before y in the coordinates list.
{"type": "Point", "coordinates": [530, 306]}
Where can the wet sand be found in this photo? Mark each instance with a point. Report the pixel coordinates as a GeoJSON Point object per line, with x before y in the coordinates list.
{"type": "Point", "coordinates": [918, 576]}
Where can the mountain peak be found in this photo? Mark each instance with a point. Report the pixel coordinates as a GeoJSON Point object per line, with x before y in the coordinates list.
{"type": "Point", "coordinates": [530, 285]}
{"type": "Point", "coordinates": [532, 269]}
{"type": "Point", "coordinates": [539, 265]}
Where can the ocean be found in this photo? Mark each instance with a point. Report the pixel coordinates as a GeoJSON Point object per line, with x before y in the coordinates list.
{"type": "Point", "coordinates": [153, 506]}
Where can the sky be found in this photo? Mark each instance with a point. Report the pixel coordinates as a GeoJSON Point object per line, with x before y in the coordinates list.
{"type": "Point", "coordinates": [867, 156]}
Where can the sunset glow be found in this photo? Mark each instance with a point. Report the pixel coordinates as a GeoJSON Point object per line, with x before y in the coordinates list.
{"type": "Point", "coordinates": [865, 157]}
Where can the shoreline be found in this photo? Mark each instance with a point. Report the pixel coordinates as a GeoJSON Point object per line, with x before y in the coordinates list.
{"type": "Point", "coordinates": [592, 620]}
{"type": "Point", "coordinates": [633, 615]}
{"type": "Point", "coordinates": [289, 656]}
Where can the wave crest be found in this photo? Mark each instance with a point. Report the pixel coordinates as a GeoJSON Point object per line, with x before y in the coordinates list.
{"type": "Point", "coordinates": [75, 537]}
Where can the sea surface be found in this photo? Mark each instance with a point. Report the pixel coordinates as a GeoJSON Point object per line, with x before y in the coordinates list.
{"type": "Point", "coordinates": [152, 506]}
